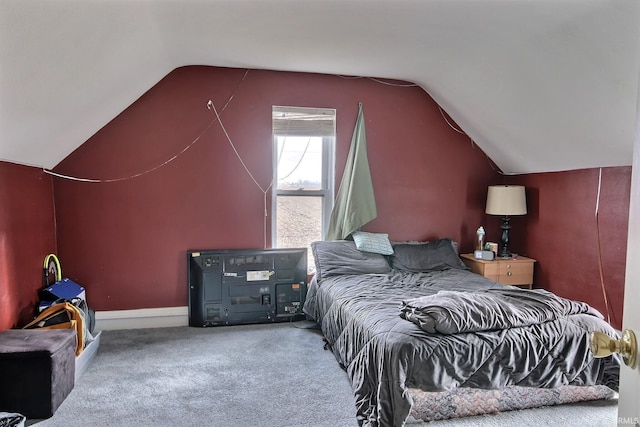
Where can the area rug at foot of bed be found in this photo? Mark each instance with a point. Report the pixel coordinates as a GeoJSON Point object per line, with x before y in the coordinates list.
{"type": "Point", "coordinates": [464, 402]}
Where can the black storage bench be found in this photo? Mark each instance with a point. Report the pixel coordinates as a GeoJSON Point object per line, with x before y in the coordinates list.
{"type": "Point", "coordinates": [37, 370]}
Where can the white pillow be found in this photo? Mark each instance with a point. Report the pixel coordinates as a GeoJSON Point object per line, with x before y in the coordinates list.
{"type": "Point", "coordinates": [372, 242]}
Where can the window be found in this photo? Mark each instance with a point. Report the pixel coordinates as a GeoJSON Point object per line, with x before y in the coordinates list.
{"type": "Point", "coordinates": [303, 156]}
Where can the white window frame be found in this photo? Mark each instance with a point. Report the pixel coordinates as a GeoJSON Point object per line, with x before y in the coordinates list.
{"type": "Point", "coordinates": [327, 185]}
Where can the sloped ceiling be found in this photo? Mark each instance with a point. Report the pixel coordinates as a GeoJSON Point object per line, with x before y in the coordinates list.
{"type": "Point", "coordinates": [539, 85]}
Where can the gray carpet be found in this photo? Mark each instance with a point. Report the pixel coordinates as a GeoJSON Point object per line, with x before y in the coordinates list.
{"type": "Point", "coordinates": [274, 375]}
{"type": "Point", "coordinates": [250, 375]}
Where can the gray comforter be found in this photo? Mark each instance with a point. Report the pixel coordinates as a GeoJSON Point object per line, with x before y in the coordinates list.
{"type": "Point", "coordinates": [385, 354]}
{"type": "Point", "coordinates": [454, 312]}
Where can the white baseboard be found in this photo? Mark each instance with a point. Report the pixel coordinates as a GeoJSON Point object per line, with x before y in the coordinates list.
{"type": "Point", "coordinates": [87, 355]}
{"type": "Point", "coordinates": [163, 317]}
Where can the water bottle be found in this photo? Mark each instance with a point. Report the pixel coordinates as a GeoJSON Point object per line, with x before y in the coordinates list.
{"type": "Point", "coordinates": [480, 239]}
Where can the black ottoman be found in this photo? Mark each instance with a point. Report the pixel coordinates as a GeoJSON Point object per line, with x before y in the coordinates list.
{"type": "Point", "coordinates": [37, 370]}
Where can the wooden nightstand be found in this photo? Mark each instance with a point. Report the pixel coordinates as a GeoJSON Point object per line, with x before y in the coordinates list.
{"type": "Point", "coordinates": [511, 271]}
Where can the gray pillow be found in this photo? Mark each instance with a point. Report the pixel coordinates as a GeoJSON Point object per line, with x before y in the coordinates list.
{"type": "Point", "coordinates": [333, 258]}
{"type": "Point", "coordinates": [437, 255]}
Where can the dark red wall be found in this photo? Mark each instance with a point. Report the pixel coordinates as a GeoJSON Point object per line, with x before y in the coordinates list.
{"type": "Point", "coordinates": [561, 233]}
{"type": "Point", "coordinates": [126, 241]}
{"type": "Point", "coordinates": [27, 235]}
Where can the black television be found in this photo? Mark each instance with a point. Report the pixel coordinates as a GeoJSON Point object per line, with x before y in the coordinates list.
{"type": "Point", "coordinates": [237, 286]}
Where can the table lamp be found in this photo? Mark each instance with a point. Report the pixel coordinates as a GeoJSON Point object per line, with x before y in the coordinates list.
{"type": "Point", "coordinates": [506, 200]}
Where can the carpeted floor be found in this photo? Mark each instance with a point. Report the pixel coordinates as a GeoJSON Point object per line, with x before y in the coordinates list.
{"type": "Point", "coordinates": [273, 375]}
{"type": "Point", "coordinates": [250, 375]}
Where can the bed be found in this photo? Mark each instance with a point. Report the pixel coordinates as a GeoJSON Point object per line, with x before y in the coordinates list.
{"type": "Point", "coordinates": [418, 322]}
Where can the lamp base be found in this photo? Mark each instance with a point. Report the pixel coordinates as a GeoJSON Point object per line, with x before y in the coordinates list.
{"type": "Point", "coordinates": [505, 255]}
{"type": "Point", "coordinates": [504, 238]}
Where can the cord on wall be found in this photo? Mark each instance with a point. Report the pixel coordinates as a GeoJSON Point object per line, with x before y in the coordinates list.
{"type": "Point", "coordinates": [599, 252]}
{"type": "Point", "coordinates": [126, 178]}
{"type": "Point", "coordinates": [378, 81]}
{"type": "Point", "coordinates": [211, 106]}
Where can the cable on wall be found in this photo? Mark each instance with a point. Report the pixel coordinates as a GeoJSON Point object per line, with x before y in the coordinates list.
{"type": "Point", "coordinates": [154, 168]}
{"type": "Point", "coordinates": [473, 143]}
{"type": "Point", "coordinates": [377, 81]}
{"type": "Point", "coordinates": [442, 113]}
{"type": "Point", "coordinates": [126, 178]}
{"type": "Point", "coordinates": [392, 84]}
{"type": "Point", "coordinates": [448, 122]}
{"type": "Point", "coordinates": [211, 106]}
{"type": "Point", "coordinates": [171, 159]}
{"type": "Point", "coordinates": [599, 251]}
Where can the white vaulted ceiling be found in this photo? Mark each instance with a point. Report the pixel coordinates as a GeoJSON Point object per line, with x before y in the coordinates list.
{"type": "Point", "coordinates": [539, 85]}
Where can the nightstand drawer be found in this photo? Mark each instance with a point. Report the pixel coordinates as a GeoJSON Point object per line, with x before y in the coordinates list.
{"type": "Point", "coordinates": [515, 273]}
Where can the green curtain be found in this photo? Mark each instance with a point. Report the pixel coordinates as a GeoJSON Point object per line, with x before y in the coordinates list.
{"type": "Point", "coordinates": [355, 203]}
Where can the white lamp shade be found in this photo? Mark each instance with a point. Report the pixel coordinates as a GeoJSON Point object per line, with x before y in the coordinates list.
{"type": "Point", "coordinates": [506, 200]}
